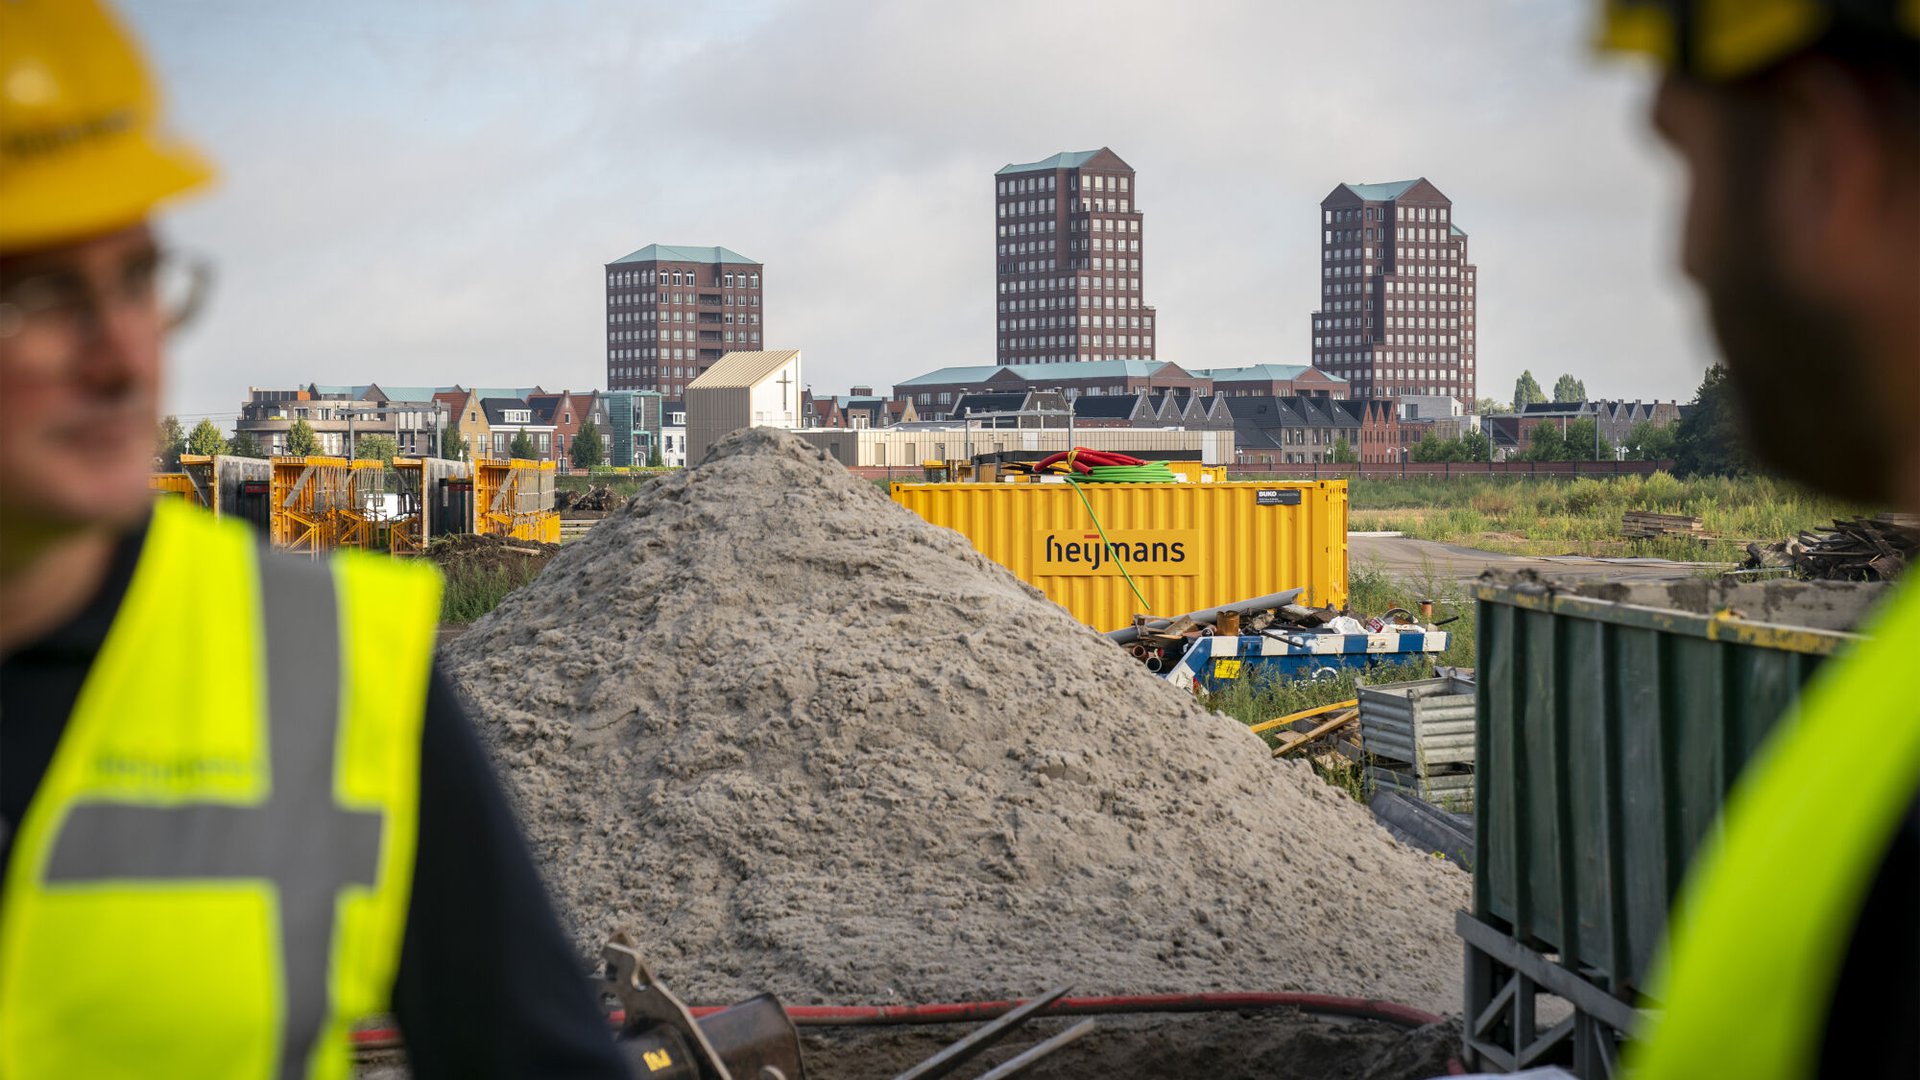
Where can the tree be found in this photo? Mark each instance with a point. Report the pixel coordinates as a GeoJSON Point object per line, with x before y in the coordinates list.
{"type": "Point", "coordinates": [1708, 440]}
{"type": "Point", "coordinates": [1526, 391]}
{"type": "Point", "coordinates": [1470, 446]}
{"type": "Point", "coordinates": [206, 439]}
{"type": "Point", "coordinates": [521, 446]}
{"type": "Point", "coordinates": [586, 446]}
{"type": "Point", "coordinates": [1431, 448]}
{"type": "Point", "coordinates": [1476, 446]}
{"type": "Point", "coordinates": [1568, 388]}
{"type": "Point", "coordinates": [1584, 442]}
{"type": "Point", "coordinates": [1649, 441]}
{"type": "Point", "coordinates": [301, 441]}
{"type": "Point", "coordinates": [654, 460]}
{"type": "Point", "coordinates": [1343, 452]}
{"type": "Point", "coordinates": [453, 445]}
{"type": "Point", "coordinates": [381, 448]}
{"type": "Point", "coordinates": [244, 444]}
{"type": "Point", "coordinates": [1576, 442]}
{"type": "Point", "coordinates": [170, 442]}
{"type": "Point", "coordinates": [1487, 405]}
{"type": "Point", "coordinates": [1547, 444]}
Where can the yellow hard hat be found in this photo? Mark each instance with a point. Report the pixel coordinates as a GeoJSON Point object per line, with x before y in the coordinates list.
{"type": "Point", "coordinates": [1718, 40]}
{"type": "Point", "coordinates": [82, 148]}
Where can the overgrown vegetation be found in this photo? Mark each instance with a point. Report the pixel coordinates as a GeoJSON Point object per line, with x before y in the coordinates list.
{"type": "Point", "coordinates": [1556, 516]}
{"type": "Point", "coordinates": [622, 481]}
{"type": "Point", "coordinates": [473, 592]}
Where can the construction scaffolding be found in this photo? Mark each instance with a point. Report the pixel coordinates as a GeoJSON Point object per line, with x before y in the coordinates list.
{"type": "Point", "coordinates": [514, 498]}
{"type": "Point", "coordinates": [324, 503]}
{"type": "Point", "coordinates": [435, 499]}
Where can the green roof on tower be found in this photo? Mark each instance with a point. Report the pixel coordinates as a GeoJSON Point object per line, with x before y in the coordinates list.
{"type": "Point", "coordinates": [1066, 159]}
{"type": "Point", "coordinates": [672, 253]}
{"type": "Point", "coordinates": [1381, 192]}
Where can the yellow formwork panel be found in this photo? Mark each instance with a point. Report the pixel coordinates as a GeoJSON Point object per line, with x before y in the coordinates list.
{"type": "Point", "coordinates": [174, 485]}
{"type": "Point", "coordinates": [514, 498]}
{"type": "Point", "coordinates": [1186, 546]}
{"type": "Point", "coordinates": [309, 496]}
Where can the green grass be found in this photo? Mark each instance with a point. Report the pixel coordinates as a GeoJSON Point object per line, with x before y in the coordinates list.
{"type": "Point", "coordinates": [471, 594]}
{"type": "Point", "coordinates": [1581, 515]}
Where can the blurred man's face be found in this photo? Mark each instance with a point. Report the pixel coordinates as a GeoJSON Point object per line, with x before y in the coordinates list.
{"type": "Point", "coordinates": [1783, 336]}
{"type": "Point", "coordinates": [80, 334]}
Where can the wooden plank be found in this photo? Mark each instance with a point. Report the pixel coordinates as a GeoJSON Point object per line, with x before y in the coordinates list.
{"type": "Point", "coordinates": [1299, 741]}
{"type": "Point", "coordinates": [1280, 721]}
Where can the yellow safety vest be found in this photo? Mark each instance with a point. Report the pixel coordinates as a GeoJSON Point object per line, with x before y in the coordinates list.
{"type": "Point", "coordinates": [212, 878]}
{"type": "Point", "coordinates": [1763, 924]}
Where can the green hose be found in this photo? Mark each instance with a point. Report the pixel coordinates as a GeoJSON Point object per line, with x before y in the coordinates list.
{"type": "Point", "coordinates": [1155, 472]}
{"type": "Point", "coordinates": [1075, 482]}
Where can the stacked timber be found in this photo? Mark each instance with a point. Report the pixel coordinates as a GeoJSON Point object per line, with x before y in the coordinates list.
{"type": "Point", "coordinates": [1855, 549]}
{"type": "Point", "coordinates": [1647, 525]}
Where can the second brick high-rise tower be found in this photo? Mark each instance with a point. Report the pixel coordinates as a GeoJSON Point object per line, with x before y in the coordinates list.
{"type": "Point", "coordinates": [1397, 297]}
{"type": "Point", "coordinates": [1067, 256]}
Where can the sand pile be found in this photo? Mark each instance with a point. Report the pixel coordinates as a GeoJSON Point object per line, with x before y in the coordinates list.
{"type": "Point", "coordinates": [796, 739]}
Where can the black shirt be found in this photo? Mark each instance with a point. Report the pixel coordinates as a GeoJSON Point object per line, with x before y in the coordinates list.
{"type": "Point", "coordinates": [487, 986]}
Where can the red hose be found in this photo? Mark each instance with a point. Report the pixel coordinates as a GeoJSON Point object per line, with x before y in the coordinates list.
{"type": "Point", "coordinates": [1082, 459]}
{"type": "Point", "coordinates": [1405, 1016]}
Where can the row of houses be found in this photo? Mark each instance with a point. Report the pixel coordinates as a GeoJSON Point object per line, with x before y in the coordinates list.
{"type": "Point", "coordinates": [936, 395]}
{"type": "Point", "coordinates": [1276, 414]}
{"type": "Point", "coordinates": [629, 424]}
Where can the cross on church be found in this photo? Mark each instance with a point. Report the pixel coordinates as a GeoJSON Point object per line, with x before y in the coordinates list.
{"type": "Point", "coordinates": [785, 381]}
{"type": "Point", "coordinates": [303, 844]}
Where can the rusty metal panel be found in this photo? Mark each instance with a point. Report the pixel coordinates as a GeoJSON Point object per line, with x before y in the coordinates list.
{"type": "Point", "coordinates": [1187, 546]}
{"type": "Point", "coordinates": [1610, 728]}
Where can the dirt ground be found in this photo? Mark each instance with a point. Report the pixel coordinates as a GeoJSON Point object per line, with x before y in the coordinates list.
{"type": "Point", "coordinates": [1276, 1044]}
{"type": "Point", "coordinates": [1269, 1045]}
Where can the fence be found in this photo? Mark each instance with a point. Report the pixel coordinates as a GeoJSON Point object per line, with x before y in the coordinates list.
{"type": "Point", "coordinates": [1445, 469]}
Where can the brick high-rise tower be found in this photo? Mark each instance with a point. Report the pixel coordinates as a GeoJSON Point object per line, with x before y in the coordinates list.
{"type": "Point", "coordinates": [673, 311]}
{"type": "Point", "coordinates": [1397, 298]}
{"type": "Point", "coordinates": [1068, 261]}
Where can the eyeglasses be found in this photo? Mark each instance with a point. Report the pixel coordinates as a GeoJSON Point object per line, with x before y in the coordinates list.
{"type": "Point", "coordinates": [51, 314]}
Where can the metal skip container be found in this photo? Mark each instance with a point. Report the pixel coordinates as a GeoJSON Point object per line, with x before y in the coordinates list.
{"type": "Point", "coordinates": [1184, 546]}
{"type": "Point", "coordinates": [1612, 721]}
{"type": "Point", "coordinates": [1419, 737]}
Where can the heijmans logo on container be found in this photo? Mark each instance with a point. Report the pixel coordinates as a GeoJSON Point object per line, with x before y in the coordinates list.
{"type": "Point", "coordinates": [1155, 553]}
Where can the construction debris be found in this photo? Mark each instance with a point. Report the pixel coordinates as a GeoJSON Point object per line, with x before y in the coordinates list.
{"type": "Point", "coordinates": [1647, 525]}
{"type": "Point", "coordinates": [800, 741]}
{"type": "Point", "coordinates": [599, 497]}
{"type": "Point", "coordinates": [1855, 549]}
{"type": "Point", "coordinates": [471, 554]}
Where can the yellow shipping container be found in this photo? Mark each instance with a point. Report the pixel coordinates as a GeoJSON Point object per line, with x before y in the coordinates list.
{"type": "Point", "coordinates": [1186, 546]}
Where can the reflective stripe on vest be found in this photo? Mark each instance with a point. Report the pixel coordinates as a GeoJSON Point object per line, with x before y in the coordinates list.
{"type": "Point", "coordinates": [212, 879]}
{"type": "Point", "coordinates": [1763, 924]}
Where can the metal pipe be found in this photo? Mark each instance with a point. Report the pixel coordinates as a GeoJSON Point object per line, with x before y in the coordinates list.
{"type": "Point", "coordinates": [970, 1012]}
{"type": "Point", "coordinates": [1206, 616]}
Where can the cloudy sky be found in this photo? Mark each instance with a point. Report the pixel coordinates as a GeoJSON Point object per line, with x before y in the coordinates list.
{"type": "Point", "coordinates": [427, 192]}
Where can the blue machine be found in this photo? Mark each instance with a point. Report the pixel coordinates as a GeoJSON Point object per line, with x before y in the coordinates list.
{"type": "Point", "coordinates": [1212, 662]}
